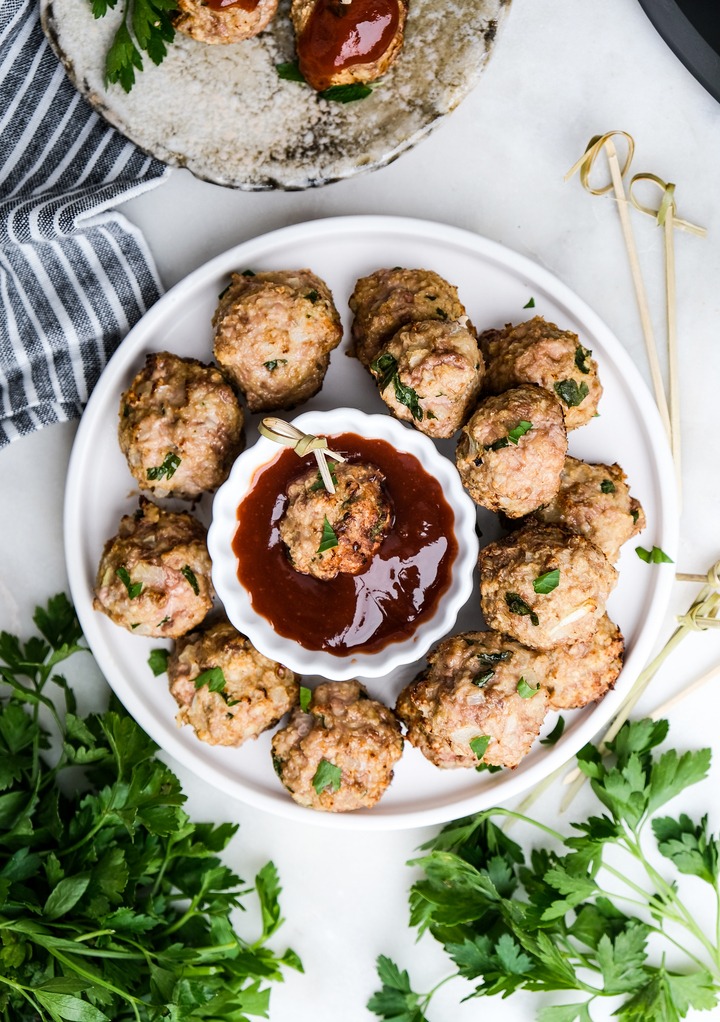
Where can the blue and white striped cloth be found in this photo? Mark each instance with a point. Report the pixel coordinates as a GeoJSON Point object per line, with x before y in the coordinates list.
{"type": "Point", "coordinates": [74, 277]}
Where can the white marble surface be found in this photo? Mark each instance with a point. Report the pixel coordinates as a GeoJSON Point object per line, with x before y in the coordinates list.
{"type": "Point", "coordinates": [562, 72]}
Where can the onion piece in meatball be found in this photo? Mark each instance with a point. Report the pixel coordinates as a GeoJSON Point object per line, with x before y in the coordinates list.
{"type": "Point", "coordinates": [585, 670]}
{"type": "Point", "coordinates": [544, 585]}
{"type": "Point", "coordinates": [429, 374]}
{"type": "Point", "coordinates": [480, 700]}
{"type": "Point", "coordinates": [512, 451]}
{"type": "Point", "coordinates": [227, 691]}
{"type": "Point", "coordinates": [329, 533]}
{"type": "Point", "coordinates": [595, 501]}
{"type": "Point", "coordinates": [540, 352]}
{"type": "Point", "coordinates": [274, 333]}
{"type": "Point", "coordinates": [213, 23]}
{"type": "Point", "coordinates": [181, 426]}
{"type": "Point", "coordinates": [154, 575]}
{"type": "Point", "coordinates": [339, 754]}
{"type": "Point", "coordinates": [386, 300]}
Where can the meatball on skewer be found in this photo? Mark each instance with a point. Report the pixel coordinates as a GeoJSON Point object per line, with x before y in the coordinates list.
{"type": "Point", "coordinates": [181, 426]}
{"type": "Point", "coordinates": [274, 333]}
{"type": "Point", "coordinates": [209, 21]}
{"type": "Point", "coordinates": [430, 374]}
{"type": "Point", "coordinates": [511, 452]}
{"type": "Point", "coordinates": [480, 700]}
{"type": "Point", "coordinates": [154, 575]}
{"type": "Point", "coordinates": [328, 533]}
{"type": "Point", "coordinates": [540, 352]}
{"type": "Point", "coordinates": [339, 754]}
{"type": "Point", "coordinates": [544, 585]}
{"type": "Point", "coordinates": [226, 690]}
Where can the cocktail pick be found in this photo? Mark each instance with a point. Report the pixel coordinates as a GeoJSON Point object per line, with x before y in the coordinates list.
{"type": "Point", "coordinates": [282, 432]}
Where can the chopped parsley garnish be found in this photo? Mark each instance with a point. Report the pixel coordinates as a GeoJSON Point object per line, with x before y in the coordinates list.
{"type": "Point", "coordinates": [581, 357]}
{"type": "Point", "coordinates": [346, 93]}
{"type": "Point", "coordinates": [555, 734]}
{"type": "Point", "coordinates": [495, 658]}
{"type": "Point", "coordinates": [213, 678]}
{"type": "Point", "coordinates": [479, 745]}
{"type": "Point", "coordinates": [192, 578]}
{"type": "Point", "coordinates": [488, 660]}
{"type": "Point", "coordinates": [133, 588]}
{"type": "Point", "coordinates": [147, 23]}
{"type": "Point", "coordinates": [168, 468]}
{"type": "Point", "coordinates": [319, 484]}
{"type": "Point", "coordinates": [272, 365]}
{"type": "Point", "coordinates": [491, 768]}
{"type": "Point", "coordinates": [526, 691]}
{"type": "Point", "coordinates": [328, 540]}
{"type": "Point", "coordinates": [249, 273]}
{"type": "Point", "coordinates": [481, 680]}
{"type": "Point", "coordinates": [312, 296]}
{"type": "Point", "coordinates": [305, 698]}
{"type": "Point", "coordinates": [516, 605]}
{"type": "Point", "coordinates": [530, 304]}
{"type": "Point", "coordinates": [635, 514]}
{"type": "Point", "coordinates": [327, 777]}
{"type": "Point", "coordinates": [545, 583]}
{"type": "Point", "coordinates": [607, 486]}
{"type": "Point", "coordinates": [513, 437]}
{"type": "Point", "coordinates": [158, 661]}
{"type": "Point", "coordinates": [569, 392]}
{"type": "Point", "coordinates": [290, 71]}
{"type": "Point", "coordinates": [654, 556]}
{"type": "Point", "coordinates": [386, 372]}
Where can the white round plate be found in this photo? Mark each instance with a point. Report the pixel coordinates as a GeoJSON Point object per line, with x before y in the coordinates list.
{"type": "Point", "coordinates": [225, 114]}
{"type": "Point", "coordinates": [495, 285]}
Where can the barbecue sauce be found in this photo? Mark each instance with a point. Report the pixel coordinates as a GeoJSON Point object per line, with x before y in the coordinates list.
{"type": "Point", "coordinates": [350, 613]}
{"type": "Point", "coordinates": [339, 35]}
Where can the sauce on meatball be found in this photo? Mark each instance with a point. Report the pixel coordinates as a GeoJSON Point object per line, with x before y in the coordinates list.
{"type": "Point", "coordinates": [338, 35]}
{"type": "Point", "coordinates": [349, 613]}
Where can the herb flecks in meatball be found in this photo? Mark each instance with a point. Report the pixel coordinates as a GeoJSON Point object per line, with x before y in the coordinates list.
{"type": "Point", "coordinates": [429, 374]}
{"type": "Point", "coordinates": [480, 700]}
{"type": "Point", "coordinates": [329, 533]}
{"type": "Point", "coordinates": [585, 670]}
{"type": "Point", "coordinates": [540, 352]}
{"type": "Point", "coordinates": [338, 753]}
{"type": "Point", "coordinates": [227, 691]}
{"type": "Point", "coordinates": [388, 299]}
{"type": "Point", "coordinates": [512, 451]}
{"type": "Point", "coordinates": [594, 501]}
{"type": "Point", "coordinates": [181, 426]}
{"type": "Point", "coordinates": [544, 585]}
{"type": "Point", "coordinates": [216, 24]}
{"type": "Point", "coordinates": [154, 575]}
{"type": "Point", "coordinates": [274, 332]}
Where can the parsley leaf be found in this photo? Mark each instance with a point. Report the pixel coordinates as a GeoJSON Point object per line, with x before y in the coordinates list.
{"type": "Point", "coordinates": [516, 605]}
{"type": "Point", "coordinates": [546, 582]}
{"type": "Point", "coordinates": [581, 357]}
{"type": "Point", "coordinates": [290, 71]}
{"type": "Point", "coordinates": [169, 467]}
{"type": "Point", "coordinates": [328, 540]}
{"type": "Point", "coordinates": [385, 370]}
{"type": "Point", "coordinates": [305, 698]}
{"type": "Point", "coordinates": [525, 690]}
{"type": "Point", "coordinates": [319, 484]}
{"type": "Point", "coordinates": [346, 93]}
{"type": "Point", "coordinates": [555, 734]}
{"type": "Point", "coordinates": [569, 392]}
{"type": "Point", "coordinates": [147, 25]}
{"type": "Point", "coordinates": [191, 577]}
{"type": "Point", "coordinates": [654, 556]}
{"type": "Point", "coordinates": [327, 777]}
{"type": "Point", "coordinates": [513, 437]}
{"type": "Point", "coordinates": [607, 486]}
{"type": "Point", "coordinates": [133, 588]}
{"type": "Point", "coordinates": [213, 678]}
{"type": "Point", "coordinates": [396, 1000]}
{"type": "Point", "coordinates": [272, 365]}
{"type": "Point", "coordinates": [158, 661]}
{"type": "Point", "coordinates": [530, 304]}
{"type": "Point", "coordinates": [479, 745]}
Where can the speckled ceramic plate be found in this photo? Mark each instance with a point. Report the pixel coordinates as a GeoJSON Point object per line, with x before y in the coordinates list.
{"type": "Point", "coordinates": [223, 112]}
{"type": "Point", "coordinates": [495, 285]}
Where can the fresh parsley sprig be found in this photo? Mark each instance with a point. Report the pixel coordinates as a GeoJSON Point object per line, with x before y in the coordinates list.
{"type": "Point", "coordinates": [146, 26]}
{"type": "Point", "coordinates": [571, 916]}
{"type": "Point", "coordinates": [114, 905]}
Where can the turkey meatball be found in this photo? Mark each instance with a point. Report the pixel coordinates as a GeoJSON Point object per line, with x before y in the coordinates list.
{"type": "Point", "coordinates": [274, 333]}
{"type": "Point", "coordinates": [512, 451]}
{"type": "Point", "coordinates": [539, 352]}
{"type": "Point", "coordinates": [154, 575]}
{"type": "Point", "coordinates": [339, 754]}
{"type": "Point", "coordinates": [226, 690]}
{"type": "Point", "coordinates": [329, 533]}
{"type": "Point", "coordinates": [216, 24]}
{"type": "Point", "coordinates": [181, 426]}
{"type": "Point", "coordinates": [429, 374]}
{"type": "Point", "coordinates": [480, 700]}
{"type": "Point", "coordinates": [585, 670]}
{"type": "Point", "coordinates": [544, 585]}
{"type": "Point", "coordinates": [334, 46]}
{"type": "Point", "coordinates": [386, 300]}
{"type": "Point", "coordinates": [595, 501]}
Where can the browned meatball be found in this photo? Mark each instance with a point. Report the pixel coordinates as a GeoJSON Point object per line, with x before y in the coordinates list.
{"type": "Point", "coordinates": [334, 46]}
{"type": "Point", "coordinates": [154, 575]}
{"type": "Point", "coordinates": [544, 585]}
{"type": "Point", "coordinates": [339, 755]}
{"type": "Point", "coordinates": [230, 24]}
{"type": "Point", "coordinates": [584, 671]}
{"type": "Point", "coordinates": [595, 501]}
{"type": "Point", "coordinates": [386, 300]}
{"type": "Point", "coordinates": [274, 333]}
{"type": "Point", "coordinates": [429, 374]}
{"type": "Point", "coordinates": [226, 690]}
{"type": "Point", "coordinates": [181, 426]}
{"type": "Point", "coordinates": [329, 533]}
{"type": "Point", "coordinates": [480, 700]}
{"type": "Point", "coordinates": [540, 352]}
{"type": "Point", "coordinates": [512, 451]}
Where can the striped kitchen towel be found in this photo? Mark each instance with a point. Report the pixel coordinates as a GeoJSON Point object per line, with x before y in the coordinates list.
{"type": "Point", "coordinates": [74, 277]}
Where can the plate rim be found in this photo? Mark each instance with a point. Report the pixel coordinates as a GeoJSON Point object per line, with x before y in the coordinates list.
{"type": "Point", "coordinates": [667, 527]}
